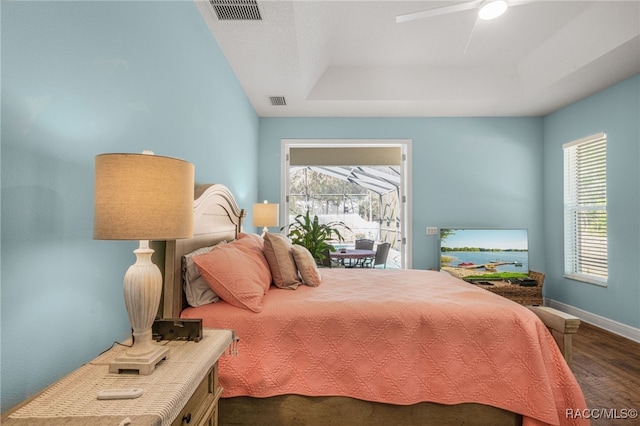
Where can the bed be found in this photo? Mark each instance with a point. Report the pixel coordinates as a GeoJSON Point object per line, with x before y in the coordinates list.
{"type": "Point", "coordinates": [417, 347]}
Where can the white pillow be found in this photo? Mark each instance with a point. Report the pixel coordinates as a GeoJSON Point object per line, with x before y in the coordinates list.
{"type": "Point", "coordinates": [196, 289]}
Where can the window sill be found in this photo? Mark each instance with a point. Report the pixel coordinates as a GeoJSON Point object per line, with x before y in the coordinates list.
{"type": "Point", "coordinates": [589, 279]}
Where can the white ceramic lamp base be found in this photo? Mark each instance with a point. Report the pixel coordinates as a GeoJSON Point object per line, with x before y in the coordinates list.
{"type": "Point", "coordinates": [143, 365]}
{"type": "Point", "coordinates": [142, 292]}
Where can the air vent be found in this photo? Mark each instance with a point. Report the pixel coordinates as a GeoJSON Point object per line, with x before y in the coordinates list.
{"type": "Point", "coordinates": [277, 100]}
{"type": "Point", "coordinates": [236, 10]}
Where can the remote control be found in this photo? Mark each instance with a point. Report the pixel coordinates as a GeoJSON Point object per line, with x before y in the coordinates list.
{"type": "Point", "coordinates": [120, 393]}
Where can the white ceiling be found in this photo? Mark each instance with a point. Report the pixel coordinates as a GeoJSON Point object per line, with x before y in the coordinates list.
{"type": "Point", "coordinates": [351, 59]}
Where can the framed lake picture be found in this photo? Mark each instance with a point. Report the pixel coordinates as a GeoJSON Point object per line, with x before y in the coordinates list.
{"type": "Point", "coordinates": [490, 253]}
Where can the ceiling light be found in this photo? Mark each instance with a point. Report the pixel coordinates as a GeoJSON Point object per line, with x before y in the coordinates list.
{"type": "Point", "coordinates": [492, 9]}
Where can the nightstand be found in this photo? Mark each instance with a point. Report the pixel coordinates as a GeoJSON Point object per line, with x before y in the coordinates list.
{"type": "Point", "coordinates": [182, 390]}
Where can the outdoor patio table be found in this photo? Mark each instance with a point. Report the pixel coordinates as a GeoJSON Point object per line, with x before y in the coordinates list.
{"type": "Point", "coordinates": [352, 257]}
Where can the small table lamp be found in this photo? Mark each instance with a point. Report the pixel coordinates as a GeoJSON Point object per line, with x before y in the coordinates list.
{"type": "Point", "coordinates": [142, 197]}
{"type": "Point", "coordinates": [266, 214]}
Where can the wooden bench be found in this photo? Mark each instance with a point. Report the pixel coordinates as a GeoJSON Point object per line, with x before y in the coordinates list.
{"type": "Point", "coordinates": [562, 327]}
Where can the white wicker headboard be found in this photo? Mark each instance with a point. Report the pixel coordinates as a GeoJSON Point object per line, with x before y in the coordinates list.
{"type": "Point", "coordinates": [216, 217]}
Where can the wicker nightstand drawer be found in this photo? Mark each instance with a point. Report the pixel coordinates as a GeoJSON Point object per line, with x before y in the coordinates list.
{"type": "Point", "coordinates": [201, 407]}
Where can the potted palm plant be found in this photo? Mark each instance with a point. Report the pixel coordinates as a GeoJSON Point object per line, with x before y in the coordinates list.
{"type": "Point", "coordinates": [315, 236]}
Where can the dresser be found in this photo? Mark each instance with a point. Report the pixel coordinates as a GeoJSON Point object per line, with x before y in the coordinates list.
{"type": "Point", "coordinates": [182, 390]}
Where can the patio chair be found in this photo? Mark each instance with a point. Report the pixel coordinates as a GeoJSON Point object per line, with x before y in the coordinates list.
{"type": "Point", "coordinates": [364, 244]}
{"type": "Point", "coordinates": [326, 262]}
{"type": "Point", "coordinates": [382, 252]}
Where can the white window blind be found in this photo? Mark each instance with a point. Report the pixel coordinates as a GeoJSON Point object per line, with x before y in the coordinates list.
{"type": "Point", "coordinates": [585, 209]}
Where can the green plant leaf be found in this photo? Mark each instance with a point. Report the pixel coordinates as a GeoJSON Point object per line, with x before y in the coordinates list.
{"type": "Point", "coordinates": [313, 235]}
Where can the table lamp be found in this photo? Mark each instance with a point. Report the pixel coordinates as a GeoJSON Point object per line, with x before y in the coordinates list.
{"type": "Point", "coordinates": [266, 214]}
{"type": "Point", "coordinates": [142, 197]}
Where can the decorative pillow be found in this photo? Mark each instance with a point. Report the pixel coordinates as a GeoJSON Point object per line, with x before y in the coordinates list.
{"type": "Point", "coordinates": [277, 251]}
{"type": "Point", "coordinates": [196, 289]}
{"type": "Point", "coordinates": [237, 274]}
{"type": "Point", "coordinates": [256, 239]}
{"type": "Point", "coordinates": [255, 244]}
{"type": "Point", "coordinates": [306, 265]}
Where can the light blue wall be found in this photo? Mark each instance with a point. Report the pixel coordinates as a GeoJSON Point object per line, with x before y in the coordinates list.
{"type": "Point", "coordinates": [83, 78]}
{"type": "Point", "coordinates": [483, 172]}
{"type": "Point", "coordinates": [79, 79]}
{"type": "Point", "coordinates": [615, 111]}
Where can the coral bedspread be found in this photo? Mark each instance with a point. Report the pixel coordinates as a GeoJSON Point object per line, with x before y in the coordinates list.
{"type": "Point", "coordinates": [398, 337]}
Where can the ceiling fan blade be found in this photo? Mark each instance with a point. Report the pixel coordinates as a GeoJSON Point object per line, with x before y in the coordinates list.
{"type": "Point", "coordinates": [466, 46]}
{"type": "Point", "coordinates": [438, 11]}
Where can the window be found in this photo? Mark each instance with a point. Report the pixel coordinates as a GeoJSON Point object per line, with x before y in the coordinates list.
{"type": "Point", "coordinates": [585, 209]}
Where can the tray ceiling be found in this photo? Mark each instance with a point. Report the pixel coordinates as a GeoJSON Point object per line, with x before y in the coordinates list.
{"type": "Point", "coordinates": [351, 58]}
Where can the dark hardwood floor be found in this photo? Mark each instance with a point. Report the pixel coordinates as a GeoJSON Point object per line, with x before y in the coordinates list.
{"type": "Point", "coordinates": [607, 367]}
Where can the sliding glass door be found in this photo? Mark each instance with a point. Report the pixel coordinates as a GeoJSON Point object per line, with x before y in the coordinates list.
{"type": "Point", "coordinates": [362, 183]}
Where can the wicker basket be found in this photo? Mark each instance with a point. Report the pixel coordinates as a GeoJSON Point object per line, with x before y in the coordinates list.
{"type": "Point", "coordinates": [531, 296]}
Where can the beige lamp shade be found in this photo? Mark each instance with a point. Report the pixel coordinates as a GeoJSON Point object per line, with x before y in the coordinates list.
{"type": "Point", "coordinates": [266, 214]}
{"type": "Point", "coordinates": [142, 197]}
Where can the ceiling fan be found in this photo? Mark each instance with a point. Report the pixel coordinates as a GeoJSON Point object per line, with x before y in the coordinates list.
{"type": "Point", "coordinates": [488, 9]}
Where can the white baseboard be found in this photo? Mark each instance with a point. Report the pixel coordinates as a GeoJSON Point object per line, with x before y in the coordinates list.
{"type": "Point", "coordinates": [602, 322]}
